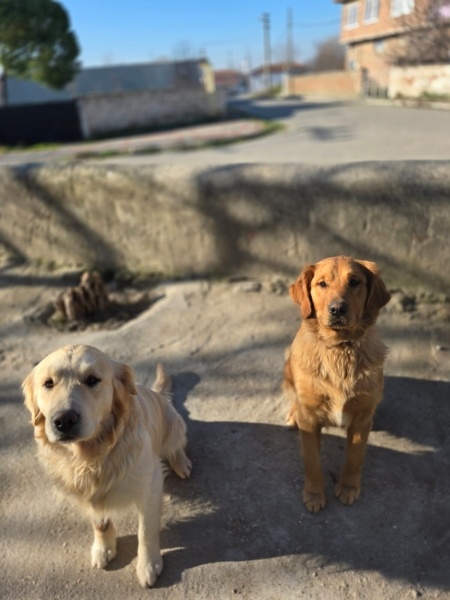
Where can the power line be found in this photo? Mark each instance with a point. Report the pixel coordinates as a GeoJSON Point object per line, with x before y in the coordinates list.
{"type": "Point", "coordinates": [319, 24]}
{"type": "Point", "coordinates": [224, 42]}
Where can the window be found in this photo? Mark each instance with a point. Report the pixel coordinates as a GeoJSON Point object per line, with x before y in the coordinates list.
{"type": "Point", "coordinates": [379, 46]}
{"type": "Point", "coordinates": [371, 10]}
{"type": "Point", "coordinates": [401, 7]}
{"type": "Point", "coordinates": [352, 15]}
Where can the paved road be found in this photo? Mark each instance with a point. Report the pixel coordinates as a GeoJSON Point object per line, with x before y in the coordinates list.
{"type": "Point", "coordinates": [329, 133]}
{"type": "Point", "coordinates": [315, 133]}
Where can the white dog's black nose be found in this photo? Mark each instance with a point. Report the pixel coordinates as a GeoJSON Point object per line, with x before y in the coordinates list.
{"type": "Point", "coordinates": [65, 421]}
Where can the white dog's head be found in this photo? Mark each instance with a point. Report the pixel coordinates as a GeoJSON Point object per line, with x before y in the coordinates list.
{"type": "Point", "coordinates": [74, 392]}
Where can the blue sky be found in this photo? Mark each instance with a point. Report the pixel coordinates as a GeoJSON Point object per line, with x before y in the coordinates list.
{"type": "Point", "coordinates": [229, 33]}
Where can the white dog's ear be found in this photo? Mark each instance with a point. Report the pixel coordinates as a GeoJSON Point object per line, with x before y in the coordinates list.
{"type": "Point", "coordinates": [124, 387]}
{"type": "Point", "coordinates": [125, 375]}
{"type": "Point", "coordinates": [300, 292]}
{"type": "Point", "coordinates": [28, 389]}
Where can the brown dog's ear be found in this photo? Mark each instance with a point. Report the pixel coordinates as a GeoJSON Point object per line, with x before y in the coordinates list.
{"type": "Point", "coordinates": [377, 295]}
{"type": "Point", "coordinates": [300, 292]}
{"type": "Point", "coordinates": [30, 400]}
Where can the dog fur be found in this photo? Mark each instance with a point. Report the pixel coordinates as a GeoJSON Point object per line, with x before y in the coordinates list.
{"type": "Point", "coordinates": [333, 373]}
{"type": "Point", "coordinates": [102, 439]}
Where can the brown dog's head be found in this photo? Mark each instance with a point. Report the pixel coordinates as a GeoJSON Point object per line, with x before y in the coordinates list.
{"type": "Point", "coordinates": [342, 294]}
{"type": "Point", "coordinates": [74, 392]}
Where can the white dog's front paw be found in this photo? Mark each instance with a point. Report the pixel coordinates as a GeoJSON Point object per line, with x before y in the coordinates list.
{"type": "Point", "coordinates": [181, 464]}
{"type": "Point", "coordinates": [102, 555]}
{"type": "Point", "coordinates": [147, 572]}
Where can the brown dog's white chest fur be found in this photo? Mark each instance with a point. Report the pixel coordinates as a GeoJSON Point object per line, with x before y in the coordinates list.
{"type": "Point", "coordinates": [337, 381]}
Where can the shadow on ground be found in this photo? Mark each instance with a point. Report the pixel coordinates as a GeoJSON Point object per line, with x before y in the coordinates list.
{"type": "Point", "coordinates": [273, 109]}
{"type": "Point", "coordinates": [246, 487]}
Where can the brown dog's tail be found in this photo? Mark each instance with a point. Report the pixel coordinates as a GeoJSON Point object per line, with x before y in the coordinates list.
{"type": "Point", "coordinates": [162, 383]}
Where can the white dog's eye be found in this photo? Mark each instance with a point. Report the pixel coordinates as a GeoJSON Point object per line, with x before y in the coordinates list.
{"type": "Point", "coordinates": [91, 380]}
{"type": "Point", "coordinates": [48, 383]}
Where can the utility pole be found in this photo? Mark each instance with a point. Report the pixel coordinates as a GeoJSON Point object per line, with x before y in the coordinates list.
{"type": "Point", "coordinates": [289, 48]}
{"type": "Point", "coordinates": [267, 59]}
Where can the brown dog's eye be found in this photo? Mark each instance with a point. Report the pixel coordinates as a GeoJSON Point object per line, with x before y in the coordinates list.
{"type": "Point", "coordinates": [354, 282]}
{"type": "Point", "coordinates": [322, 284]}
{"type": "Point", "coordinates": [92, 380]}
{"type": "Point", "coordinates": [48, 384]}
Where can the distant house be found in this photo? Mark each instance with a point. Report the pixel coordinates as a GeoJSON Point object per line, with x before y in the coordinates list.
{"type": "Point", "coordinates": [126, 97]}
{"type": "Point", "coordinates": [230, 81]}
{"type": "Point", "coordinates": [373, 29]}
{"type": "Point", "coordinates": [262, 79]}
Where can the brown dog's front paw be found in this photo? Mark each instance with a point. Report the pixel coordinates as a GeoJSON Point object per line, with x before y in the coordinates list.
{"type": "Point", "coordinates": [291, 420]}
{"type": "Point", "coordinates": [347, 494]}
{"type": "Point", "coordinates": [313, 502]}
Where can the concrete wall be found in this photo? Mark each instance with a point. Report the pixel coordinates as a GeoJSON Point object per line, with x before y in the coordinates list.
{"type": "Point", "coordinates": [413, 82]}
{"type": "Point", "coordinates": [407, 82]}
{"type": "Point", "coordinates": [101, 114]}
{"type": "Point", "coordinates": [251, 220]}
{"type": "Point", "coordinates": [338, 84]}
{"type": "Point", "coordinates": [371, 56]}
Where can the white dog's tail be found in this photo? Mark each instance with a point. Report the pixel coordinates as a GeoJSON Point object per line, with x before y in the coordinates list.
{"type": "Point", "coordinates": [162, 384]}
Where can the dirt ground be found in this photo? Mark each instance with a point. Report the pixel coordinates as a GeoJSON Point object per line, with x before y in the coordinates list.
{"type": "Point", "coordinates": [237, 528]}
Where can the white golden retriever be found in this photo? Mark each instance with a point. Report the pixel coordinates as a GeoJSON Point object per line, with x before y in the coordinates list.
{"type": "Point", "coordinates": [101, 438]}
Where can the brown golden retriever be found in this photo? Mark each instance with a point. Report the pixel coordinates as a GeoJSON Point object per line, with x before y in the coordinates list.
{"type": "Point", "coordinates": [102, 438]}
{"type": "Point", "coordinates": [333, 375]}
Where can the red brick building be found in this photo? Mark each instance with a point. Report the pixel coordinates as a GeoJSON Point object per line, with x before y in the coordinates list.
{"type": "Point", "coordinates": [370, 29]}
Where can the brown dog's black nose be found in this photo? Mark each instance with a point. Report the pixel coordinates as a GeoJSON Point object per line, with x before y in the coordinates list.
{"type": "Point", "coordinates": [65, 421]}
{"type": "Point", "coordinates": [337, 308]}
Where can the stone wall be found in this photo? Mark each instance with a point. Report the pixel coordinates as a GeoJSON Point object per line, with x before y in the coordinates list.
{"type": "Point", "coordinates": [413, 82]}
{"type": "Point", "coordinates": [239, 220]}
{"type": "Point", "coordinates": [116, 112]}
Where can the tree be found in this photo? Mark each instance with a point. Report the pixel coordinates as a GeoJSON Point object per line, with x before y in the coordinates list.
{"type": "Point", "coordinates": [184, 50]}
{"type": "Point", "coordinates": [36, 42]}
{"type": "Point", "coordinates": [330, 56]}
{"type": "Point", "coordinates": [426, 35]}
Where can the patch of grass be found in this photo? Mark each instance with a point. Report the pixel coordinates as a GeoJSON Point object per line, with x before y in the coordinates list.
{"type": "Point", "coordinates": [87, 154]}
{"type": "Point", "coordinates": [32, 148]}
{"type": "Point", "coordinates": [148, 150]}
{"type": "Point", "coordinates": [268, 128]}
{"type": "Point", "coordinates": [425, 97]}
{"type": "Point", "coordinates": [431, 97]}
{"type": "Point", "coordinates": [272, 92]}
